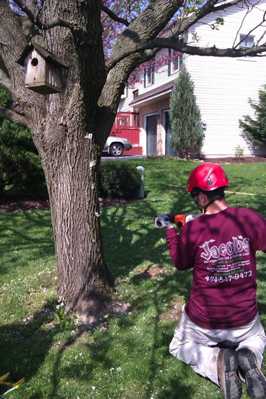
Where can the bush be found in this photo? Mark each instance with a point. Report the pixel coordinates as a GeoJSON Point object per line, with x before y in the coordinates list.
{"type": "Point", "coordinates": [20, 167]}
{"type": "Point", "coordinates": [118, 180]}
{"type": "Point", "coordinates": [254, 129]}
{"type": "Point", "coordinates": [186, 124]}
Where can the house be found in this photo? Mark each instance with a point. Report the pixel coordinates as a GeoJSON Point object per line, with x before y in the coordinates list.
{"type": "Point", "coordinates": [223, 86]}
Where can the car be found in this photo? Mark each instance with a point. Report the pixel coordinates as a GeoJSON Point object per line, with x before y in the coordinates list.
{"type": "Point", "coordinates": [115, 146]}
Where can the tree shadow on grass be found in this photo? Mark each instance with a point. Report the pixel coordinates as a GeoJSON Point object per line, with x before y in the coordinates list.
{"type": "Point", "coordinates": [128, 249]}
{"type": "Point", "coordinates": [25, 236]}
{"type": "Point", "coordinates": [24, 345]}
{"type": "Point", "coordinates": [128, 244]}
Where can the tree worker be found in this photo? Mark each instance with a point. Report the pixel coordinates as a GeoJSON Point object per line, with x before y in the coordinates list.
{"type": "Point", "coordinates": [220, 334]}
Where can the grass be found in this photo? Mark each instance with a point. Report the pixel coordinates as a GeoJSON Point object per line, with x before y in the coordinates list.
{"type": "Point", "coordinates": [128, 358]}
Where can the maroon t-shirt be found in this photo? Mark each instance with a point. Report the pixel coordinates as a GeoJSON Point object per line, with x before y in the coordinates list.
{"type": "Point", "coordinates": [221, 249]}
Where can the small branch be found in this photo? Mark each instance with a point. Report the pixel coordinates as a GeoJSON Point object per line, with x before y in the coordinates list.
{"type": "Point", "coordinates": [25, 9]}
{"type": "Point", "coordinates": [113, 16]}
{"type": "Point", "coordinates": [261, 37]}
{"type": "Point", "coordinates": [202, 12]}
{"type": "Point", "coordinates": [252, 30]}
{"type": "Point", "coordinates": [14, 116]}
{"type": "Point", "coordinates": [240, 27]}
{"type": "Point", "coordinates": [210, 6]}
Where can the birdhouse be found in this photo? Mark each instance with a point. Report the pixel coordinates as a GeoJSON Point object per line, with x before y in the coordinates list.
{"type": "Point", "coordinates": [44, 72]}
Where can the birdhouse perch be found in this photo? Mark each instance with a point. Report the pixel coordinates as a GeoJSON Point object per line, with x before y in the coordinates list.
{"type": "Point", "coordinates": [44, 72]}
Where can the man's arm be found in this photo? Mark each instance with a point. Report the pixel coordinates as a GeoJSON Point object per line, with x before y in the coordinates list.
{"type": "Point", "coordinates": [260, 227]}
{"type": "Point", "coordinates": [178, 249]}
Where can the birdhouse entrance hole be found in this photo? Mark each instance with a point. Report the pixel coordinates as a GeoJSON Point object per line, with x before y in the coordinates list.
{"type": "Point", "coordinates": [34, 62]}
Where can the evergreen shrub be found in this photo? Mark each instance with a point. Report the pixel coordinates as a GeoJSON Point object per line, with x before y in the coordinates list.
{"type": "Point", "coordinates": [254, 129]}
{"type": "Point", "coordinates": [186, 124]}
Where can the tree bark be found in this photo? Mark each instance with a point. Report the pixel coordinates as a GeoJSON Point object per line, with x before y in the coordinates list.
{"type": "Point", "coordinates": [71, 172]}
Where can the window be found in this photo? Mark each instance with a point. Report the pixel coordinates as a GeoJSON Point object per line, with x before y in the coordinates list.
{"type": "Point", "coordinates": [123, 121]}
{"type": "Point", "coordinates": [136, 120]}
{"type": "Point", "coordinates": [149, 75]}
{"type": "Point", "coordinates": [246, 41]}
{"type": "Point", "coordinates": [135, 93]}
{"type": "Point", "coordinates": [174, 61]}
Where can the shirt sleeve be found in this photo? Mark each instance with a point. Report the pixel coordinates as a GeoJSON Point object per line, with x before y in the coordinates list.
{"type": "Point", "coordinates": [260, 224]}
{"type": "Point", "coordinates": [178, 249]}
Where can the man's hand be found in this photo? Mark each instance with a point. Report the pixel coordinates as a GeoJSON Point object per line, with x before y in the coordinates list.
{"type": "Point", "coordinates": [169, 220]}
{"type": "Point", "coordinates": [162, 221]}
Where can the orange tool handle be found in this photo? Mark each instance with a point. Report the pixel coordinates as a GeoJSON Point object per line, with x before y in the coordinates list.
{"type": "Point", "coordinates": [180, 219]}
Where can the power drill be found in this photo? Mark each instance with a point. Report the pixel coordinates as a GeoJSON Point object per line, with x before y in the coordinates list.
{"type": "Point", "coordinates": [165, 219]}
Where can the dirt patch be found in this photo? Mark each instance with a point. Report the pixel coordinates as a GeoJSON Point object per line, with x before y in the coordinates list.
{"type": "Point", "coordinates": [173, 313]}
{"type": "Point", "coordinates": [151, 272]}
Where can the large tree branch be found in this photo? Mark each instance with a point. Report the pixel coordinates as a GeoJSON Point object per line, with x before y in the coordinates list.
{"type": "Point", "coordinates": [34, 17]}
{"type": "Point", "coordinates": [147, 25]}
{"type": "Point", "coordinates": [112, 90]}
{"type": "Point", "coordinates": [14, 116]}
{"type": "Point", "coordinates": [181, 46]}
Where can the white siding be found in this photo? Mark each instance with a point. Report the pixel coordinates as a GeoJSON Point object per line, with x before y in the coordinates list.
{"type": "Point", "coordinates": [224, 85]}
{"type": "Point", "coordinates": [222, 88]}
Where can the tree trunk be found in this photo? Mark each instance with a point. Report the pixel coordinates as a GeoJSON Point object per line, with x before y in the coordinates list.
{"type": "Point", "coordinates": [71, 174]}
{"type": "Point", "coordinates": [65, 137]}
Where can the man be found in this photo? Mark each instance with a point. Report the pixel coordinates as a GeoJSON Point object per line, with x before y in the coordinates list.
{"type": "Point", "coordinates": [220, 334]}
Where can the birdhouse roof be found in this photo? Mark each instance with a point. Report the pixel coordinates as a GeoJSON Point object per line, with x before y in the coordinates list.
{"type": "Point", "coordinates": [47, 55]}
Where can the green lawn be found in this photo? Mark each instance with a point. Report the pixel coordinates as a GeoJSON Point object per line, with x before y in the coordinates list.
{"type": "Point", "coordinates": [128, 358]}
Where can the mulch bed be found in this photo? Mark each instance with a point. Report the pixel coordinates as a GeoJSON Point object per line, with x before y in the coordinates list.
{"type": "Point", "coordinates": [8, 205]}
{"type": "Point", "coordinates": [22, 205]}
{"type": "Point", "coordinates": [236, 160]}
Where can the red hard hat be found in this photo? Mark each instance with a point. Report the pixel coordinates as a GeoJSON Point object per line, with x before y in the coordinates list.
{"type": "Point", "coordinates": [207, 177]}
